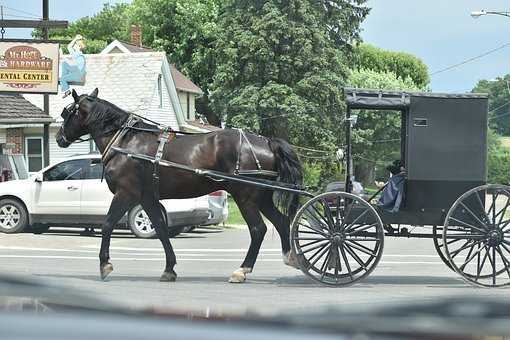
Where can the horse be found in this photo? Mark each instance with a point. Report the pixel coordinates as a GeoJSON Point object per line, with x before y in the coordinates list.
{"type": "Point", "coordinates": [132, 180]}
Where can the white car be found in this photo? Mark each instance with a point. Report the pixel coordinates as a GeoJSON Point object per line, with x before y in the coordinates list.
{"type": "Point", "coordinates": [71, 193]}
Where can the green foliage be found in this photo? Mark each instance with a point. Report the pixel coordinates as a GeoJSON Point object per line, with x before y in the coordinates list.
{"type": "Point", "coordinates": [281, 66]}
{"type": "Point", "coordinates": [112, 22]}
{"type": "Point", "coordinates": [403, 65]}
{"type": "Point", "coordinates": [499, 102]}
{"type": "Point", "coordinates": [186, 30]}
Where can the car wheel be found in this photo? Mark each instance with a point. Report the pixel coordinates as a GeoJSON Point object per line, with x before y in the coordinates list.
{"type": "Point", "coordinates": [39, 229]}
{"type": "Point", "coordinates": [140, 224]}
{"type": "Point", "coordinates": [188, 228]}
{"type": "Point", "coordinates": [13, 216]}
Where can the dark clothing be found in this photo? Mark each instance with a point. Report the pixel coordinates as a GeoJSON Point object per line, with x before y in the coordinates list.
{"type": "Point", "coordinates": [393, 194]}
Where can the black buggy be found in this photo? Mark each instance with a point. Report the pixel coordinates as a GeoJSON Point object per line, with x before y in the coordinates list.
{"type": "Point", "coordinates": [338, 237]}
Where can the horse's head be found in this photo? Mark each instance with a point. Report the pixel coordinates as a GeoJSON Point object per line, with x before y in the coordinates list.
{"type": "Point", "coordinates": [75, 118]}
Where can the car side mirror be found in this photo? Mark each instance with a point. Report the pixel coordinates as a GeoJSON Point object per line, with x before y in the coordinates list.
{"type": "Point", "coordinates": [38, 177]}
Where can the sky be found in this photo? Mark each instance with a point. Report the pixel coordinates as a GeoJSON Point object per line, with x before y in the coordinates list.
{"type": "Point", "coordinates": [439, 32]}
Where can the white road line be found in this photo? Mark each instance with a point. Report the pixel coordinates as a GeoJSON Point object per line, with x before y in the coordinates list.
{"type": "Point", "coordinates": [159, 259]}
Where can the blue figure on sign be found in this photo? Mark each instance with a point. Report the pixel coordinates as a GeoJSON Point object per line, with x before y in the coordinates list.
{"type": "Point", "coordinates": [74, 70]}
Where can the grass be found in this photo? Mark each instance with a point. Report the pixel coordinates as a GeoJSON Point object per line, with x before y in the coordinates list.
{"type": "Point", "coordinates": [505, 142]}
{"type": "Point", "coordinates": [234, 215]}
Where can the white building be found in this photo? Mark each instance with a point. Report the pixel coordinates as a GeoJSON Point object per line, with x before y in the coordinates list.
{"type": "Point", "coordinates": [141, 83]}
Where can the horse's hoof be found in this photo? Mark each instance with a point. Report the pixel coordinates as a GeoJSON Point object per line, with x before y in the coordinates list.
{"type": "Point", "coordinates": [168, 277]}
{"type": "Point", "coordinates": [290, 260]}
{"type": "Point", "coordinates": [106, 270]}
{"type": "Point", "coordinates": [239, 276]}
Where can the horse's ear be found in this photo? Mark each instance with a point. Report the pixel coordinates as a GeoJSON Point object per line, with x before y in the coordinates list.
{"type": "Point", "coordinates": [94, 93]}
{"type": "Point", "coordinates": [75, 96]}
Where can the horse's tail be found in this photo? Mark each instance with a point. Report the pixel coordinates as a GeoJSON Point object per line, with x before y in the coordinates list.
{"type": "Point", "coordinates": [289, 171]}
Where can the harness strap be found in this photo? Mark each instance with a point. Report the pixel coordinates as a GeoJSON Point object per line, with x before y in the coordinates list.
{"type": "Point", "coordinates": [165, 136]}
{"type": "Point", "coordinates": [242, 136]}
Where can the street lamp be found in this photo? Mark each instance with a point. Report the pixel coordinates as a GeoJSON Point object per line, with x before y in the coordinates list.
{"type": "Point", "coordinates": [477, 14]}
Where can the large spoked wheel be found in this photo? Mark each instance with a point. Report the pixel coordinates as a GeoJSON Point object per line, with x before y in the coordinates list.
{"type": "Point", "coordinates": [338, 238]}
{"type": "Point", "coordinates": [476, 236]}
{"type": "Point", "coordinates": [437, 237]}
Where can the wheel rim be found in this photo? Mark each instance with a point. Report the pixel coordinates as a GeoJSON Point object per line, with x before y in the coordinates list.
{"type": "Point", "coordinates": [9, 216]}
{"type": "Point", "coordinates": [143, 224]}
{"type": "Point", "coordinates": [476, 236]}
{"type": "Point", "coordinates": [338, 238]}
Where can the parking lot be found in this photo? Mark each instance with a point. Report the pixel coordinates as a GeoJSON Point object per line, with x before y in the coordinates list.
{"type": "Point", "coordinates": [409, 270]}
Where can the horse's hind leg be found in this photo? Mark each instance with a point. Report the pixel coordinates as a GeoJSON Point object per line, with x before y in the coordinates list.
{"type": "Point", "coordinates": [251, 214]}
{"type": "Point", "coordinates": [282, 225]}
{"type": "Point", "coordinates": [153, 210]}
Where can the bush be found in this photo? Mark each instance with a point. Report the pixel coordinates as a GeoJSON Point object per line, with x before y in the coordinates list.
{"type": "Point", "coordinates": [499, 166]}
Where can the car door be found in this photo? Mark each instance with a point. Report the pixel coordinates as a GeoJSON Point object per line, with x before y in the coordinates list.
{"type": "Point", "coordinates": [95, 195]}
{"type": "Point", "coordinates": [57, 197]}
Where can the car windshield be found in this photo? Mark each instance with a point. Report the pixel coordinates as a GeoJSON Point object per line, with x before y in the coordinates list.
{"type": "Point", "coordinates": [313, 168]}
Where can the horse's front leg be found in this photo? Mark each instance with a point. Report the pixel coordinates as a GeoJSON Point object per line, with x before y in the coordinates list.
{"type": "Point", "coordinates": [121, 203]}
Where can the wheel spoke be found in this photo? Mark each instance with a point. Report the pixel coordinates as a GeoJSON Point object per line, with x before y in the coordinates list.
{"type": "Point", "coordinates": [313, 248]}
{"type": "Point", "coordinates": [324, 266]}
{"type": "Point", "coordinates": [320, 256]}
{"type": "Point", "coordinates": [329, 215]}
{"type": "Point", "coordinates": [356, 219]}
{"type": "Point", "coordinates": [503, 210]}
{"type": "Point", "coordinates": [347, 214]}
{"type": "Point", "coordinates": [360, 229]}
{"type": "Point", "coordinates": [467, 224]}
{"type": "Point", "coordinates": [346, 261]}
{"type": "Point", "coordinates": [476, 217]}
{"type": "Point", "coordinates": [317, 231]}
{"type": "Point", "coordinates": [360, 245]}
{"type": "Point", "coordinates": [470, 258]}
{"type": "Point", "coordinates": [319, 222]}
{"type": "Point", "coordinates": [466, 245]}
{"type": "Point", "coordinates": [355, 256]}
{"type": "Point", "coordinates": [369, 252]}
{"type": "Point", "coordinates": [480, 265]}
{"type": "Point", "coordinates": [505, 261]}
{"type": "Point", "coordinates": [493, 265]}
{"type": "Point", "coordinates": [321, 217]}
{"type": "Point", "coordinates": [310, 243]}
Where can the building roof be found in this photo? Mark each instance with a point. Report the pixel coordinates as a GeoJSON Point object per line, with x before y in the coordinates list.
{"type": "Point", "coordinates": [127, 80]}
{"type": "Point", "coordinates": [16, 109]}
{"type": "Point", "coordinates": [207, 127]}
{"type": "Point", "coordinates": [134, 48]}
{"type": "Point", "coordinates": [182, 83]}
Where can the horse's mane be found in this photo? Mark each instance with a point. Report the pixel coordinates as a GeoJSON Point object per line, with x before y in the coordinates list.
{"type": "Point", "coordinates": [105, 116]}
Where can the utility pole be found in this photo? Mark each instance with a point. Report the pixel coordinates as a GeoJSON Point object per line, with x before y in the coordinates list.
{"type": "Point", "coordinates": [46, 99]}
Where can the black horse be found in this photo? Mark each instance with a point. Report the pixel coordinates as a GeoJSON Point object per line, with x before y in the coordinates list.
{"type": "Point", "coordinates": [131, 180]}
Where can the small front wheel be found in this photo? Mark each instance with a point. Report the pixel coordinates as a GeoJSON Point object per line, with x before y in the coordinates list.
{"type": "Point", "coordinates": [338, 238]}
{"type": "Point", "coordinates": [13, 216]}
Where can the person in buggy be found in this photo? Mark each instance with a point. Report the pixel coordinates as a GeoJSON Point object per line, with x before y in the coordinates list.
{"type": "Point", "coordinates": [393, 193]}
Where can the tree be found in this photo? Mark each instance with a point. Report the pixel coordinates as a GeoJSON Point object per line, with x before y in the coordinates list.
{"type": "Point", "coordinates": [186, 30]}
{"type": "Point", "coordinates": [499, 102]}
{"type": "Point", "coordinates": [112, 22]}
{"type": "Point", "coordinates": [403, 65]}
{"type": "Point", "coordinates": [376, 136]}
{"type": "Point", "coordinates": [281, 66]}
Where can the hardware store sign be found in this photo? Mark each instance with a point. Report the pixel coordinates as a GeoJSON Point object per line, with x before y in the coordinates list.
{"type": "Point", "coordinates": [29, 67]}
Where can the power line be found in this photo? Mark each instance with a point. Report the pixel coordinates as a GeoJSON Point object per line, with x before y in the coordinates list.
{"type": "Point", "coordinates": [37, 16]}
{"type": "Point", "coordinates": [471, 59]}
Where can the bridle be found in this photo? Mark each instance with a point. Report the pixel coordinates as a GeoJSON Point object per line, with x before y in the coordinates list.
{"type": "Point", "coordinates": [69, 111]}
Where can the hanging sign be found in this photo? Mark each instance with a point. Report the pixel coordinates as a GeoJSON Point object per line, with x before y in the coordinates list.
{"type": "Point", "coordinates": [29, 67]}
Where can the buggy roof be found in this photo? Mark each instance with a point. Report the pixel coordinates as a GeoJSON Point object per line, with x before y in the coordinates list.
{"type": "Point", "coordinates": [394, 100]}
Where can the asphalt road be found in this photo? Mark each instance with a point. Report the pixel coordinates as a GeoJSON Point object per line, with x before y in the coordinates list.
{"type": "Point", "coordinates": [409, 270]}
